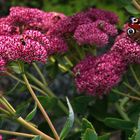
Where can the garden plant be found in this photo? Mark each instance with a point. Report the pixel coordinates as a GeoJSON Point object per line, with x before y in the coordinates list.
{"type": "Point", "coordinates": [70, 70]}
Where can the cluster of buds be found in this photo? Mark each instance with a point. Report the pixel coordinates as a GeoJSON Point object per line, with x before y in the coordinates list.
{"type": "Point", "coordinates": [98, 75]}
{"type": "Point", "coordinates": [23, 35]}
{"type": "Point", "coordinates": [93, 27]}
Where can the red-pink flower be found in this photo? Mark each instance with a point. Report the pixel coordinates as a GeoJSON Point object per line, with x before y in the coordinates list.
{"type": "Point", "coordinates": [23, 35]}
{"type": "Point", "coordinates": [127, 47]}
{"type": "Point", "coordinates": [97, 75]}
{"type": "Point", "coordinates": [96, 33]}
{"type": "Point", "coordinates": [88, 27]}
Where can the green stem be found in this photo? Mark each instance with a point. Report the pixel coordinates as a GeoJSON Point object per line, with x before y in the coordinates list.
{"type": "Point", "coordinates": [126, 95]}
{"type": "Point", "coordinates": [8, 104]}
{"type": "Point", "coordinates": [130, 87]}
{"type": "Point", "coordinates": [134, 75]}
{"type": "Point", "coordinates": [68, 61]}
{"type": "Point", "coordinates": [51, 94]}
{"type": "Point", "coordinates": [26, 124]}
{"type": "Point", "coordinates": [34, 79]}
{"type": "Point", "coordinates": [17, 134]}
{"type": "Point", "coordinates": [121, 112]}
{"type": "Point", "coordinates": [40, 107]}
{"type": "Point", "coordinates": [40, 73]}
{"type": "Point", "coordinates": [123, 102]}
{"type": "Point", "coordinates": [21, 81]}
{"type": "Point", "coordinates": [4, 111]}
{"type": "Point", "coordinates": [7, 107]}
{"type": "Point", "coordinates": [33, 129]}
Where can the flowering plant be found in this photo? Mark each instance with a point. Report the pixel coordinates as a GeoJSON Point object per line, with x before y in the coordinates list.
{"type": "Point", "coordinates": [83, 57]}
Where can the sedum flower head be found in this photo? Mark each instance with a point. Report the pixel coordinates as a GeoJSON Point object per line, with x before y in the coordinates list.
{"type": "Point", "coordinates": [96, 33]}
{"type": "Point", "coordinates": [23, 35]}
{"type": "Point", "coordinates": [97, 75]}
{"type": "Point", "coordinates": [93, 26]}
{"type": "Point", "coordinates": [127, 47]}
{"type": "Point", "coordinates": [2, 64]}
{"type": "Point", "coordinates": [33, 17]}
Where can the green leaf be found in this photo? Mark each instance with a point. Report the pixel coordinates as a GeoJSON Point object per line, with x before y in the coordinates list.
{"type": "Point", "coordinates": [139, 123]}
{"type": "Point", "coordinates": [37, 138]}
{"type": "Point", "coordinates": [118, 123]}
{"type": "Point", "coordinates": [69, 123]}
{"type": "Point", "coordinates": [80, 103]}
{"type": "Point", "coordinates": [132, 10]}
{"type": "Point", "coordinates": [89, 134]}
{"type": "Point", "coordinates": [104, 137]}
{"type": "Point", "coordinates": [50, 103]}
{"type": "Point", "coordinates": [31, 115]}
{"type": "Point", "coordinates": [137, 137]}
{"type": "Point", "coordinates": [86, 124]}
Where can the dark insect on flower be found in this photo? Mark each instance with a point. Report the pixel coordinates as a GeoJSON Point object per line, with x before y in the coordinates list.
{"type": "Point", "coordinates": [22, 41]}
{"type": "Point", "coordinates": [134, 30]}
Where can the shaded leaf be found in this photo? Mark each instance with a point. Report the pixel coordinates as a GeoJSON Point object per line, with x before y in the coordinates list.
{"type": "Point", "coordinates": [137, 137]}
{"type": "Point", "coordinates": [132, 10]}
{"type": "Point", "coordinates": [104, 137]}
{"type": "Point", "coordinates": [31, 115]}
{"type": "Point", "coordinates": [118, 123]}
{"type": "Point", "coordinates": [80, 103]}
{"type": "Point", "coordinates": [86, 124]}
{"type": "Point", "coordinates": [139, 123]}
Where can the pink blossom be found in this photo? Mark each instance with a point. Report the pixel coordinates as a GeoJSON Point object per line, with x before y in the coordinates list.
{"type": "Point", "coordinates": [33, 17]}
{"type": "Point", "coordinates": [70, 23]}
{"type": "Point", "coordinates": [95, 33]}
{"type": "Point", "coordinates": [108, 16]}
{"type": "Point", "coordinates": [0, 137]}
{"type": "Point", "coordinates": [2, 64]}
{"type": "Point", "coordinates": [127, 47]}
{"type": "Point", "coordinates": [97, 75]}
{"type": "Point", "coordinates": [23, 35]}
{"type": "Point", "coordinates": [89, 34]}
{"type": "Point", "coordinates": [10, 48]}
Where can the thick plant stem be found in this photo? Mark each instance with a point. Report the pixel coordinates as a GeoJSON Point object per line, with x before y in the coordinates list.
{"type": "Point", "coordinates": [40, 107]}
{"type": "Point", "coordinates": [17, 134]}
{"type": "Point", "coordinates": [33, 129]}
{"type": "Point", "coordinates": [121, 112]}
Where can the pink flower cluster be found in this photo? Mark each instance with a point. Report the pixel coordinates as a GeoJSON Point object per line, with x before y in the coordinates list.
{"type": "Point", "coordinates": [98, 75]}
{"type": "Point", "coordinates": [23, 35]}
{"type": "Point", "coordinates": [93, 26]}
{"type": "Point", "coordinates": [30, 34]}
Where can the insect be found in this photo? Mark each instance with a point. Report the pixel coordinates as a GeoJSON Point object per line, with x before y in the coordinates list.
{"type": "Point", "coordinates": [134, 29]}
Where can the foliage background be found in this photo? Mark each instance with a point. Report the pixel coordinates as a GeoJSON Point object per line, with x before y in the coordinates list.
{"type": "Point", "coordinates": [107, 114]}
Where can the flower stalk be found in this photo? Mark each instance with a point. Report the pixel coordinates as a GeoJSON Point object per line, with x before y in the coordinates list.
{"type": "Point", "coordinates": [40, 107]}
{"type": "Point", "coordinates": [17, 134]}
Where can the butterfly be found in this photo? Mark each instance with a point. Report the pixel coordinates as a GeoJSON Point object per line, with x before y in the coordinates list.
{"type": "Point", "coordinates": [134, 29]}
